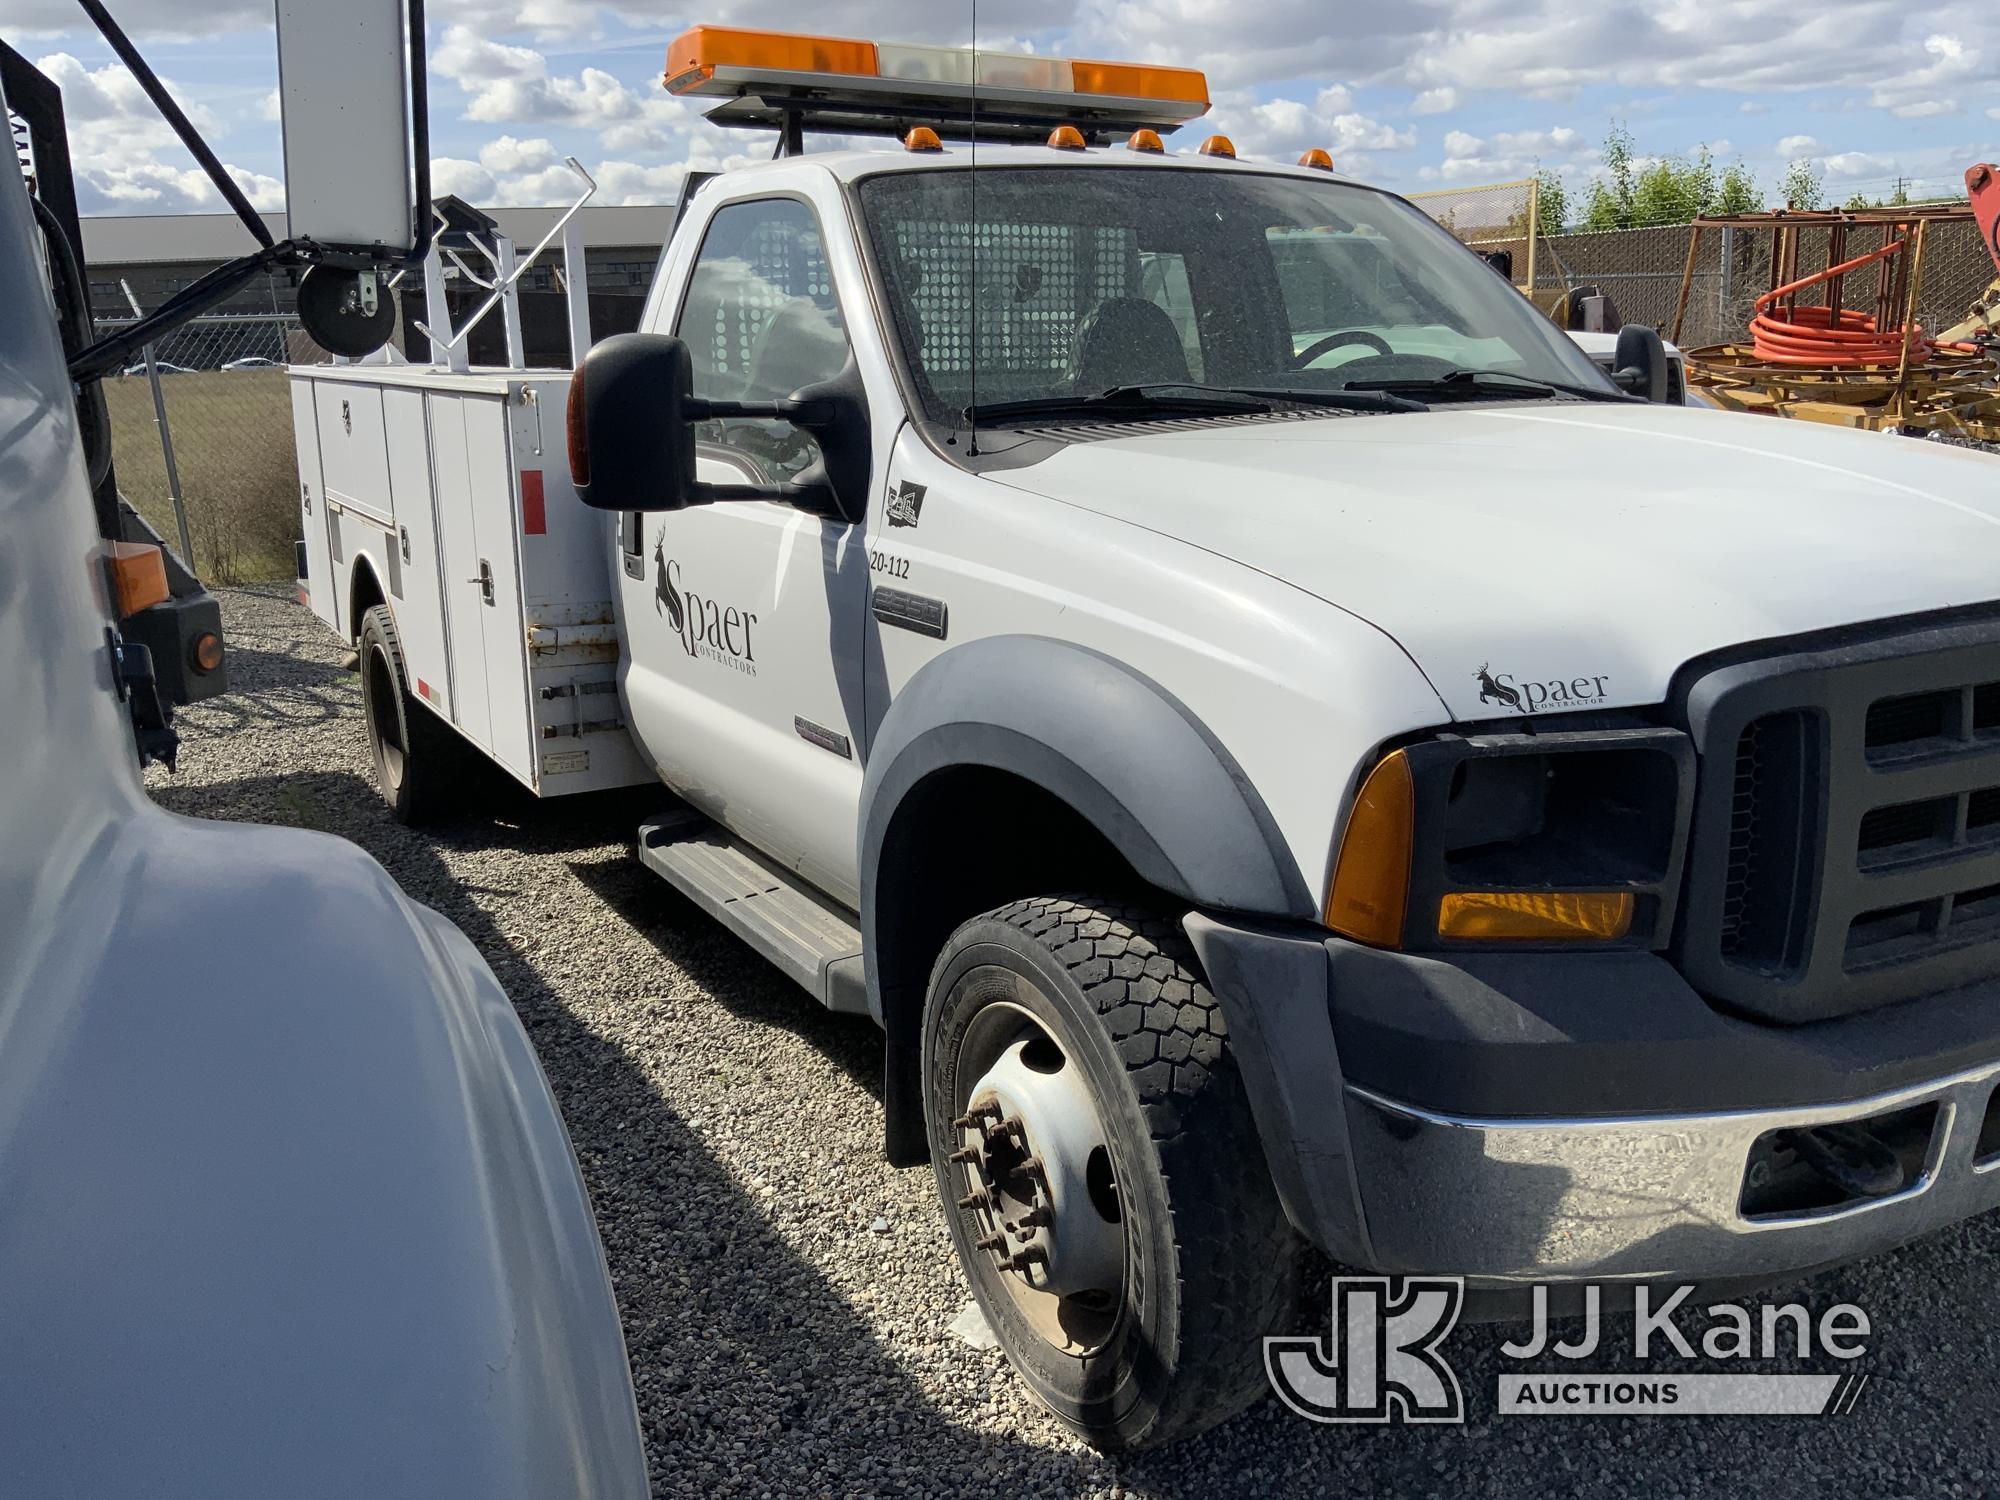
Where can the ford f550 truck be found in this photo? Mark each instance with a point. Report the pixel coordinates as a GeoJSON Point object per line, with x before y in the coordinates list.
{"type": "Point", "coordinates": [1288, 749]}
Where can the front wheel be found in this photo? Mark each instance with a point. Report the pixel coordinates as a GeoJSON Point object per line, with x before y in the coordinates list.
{"type": "Point", "coordinates": [1095, 1152]}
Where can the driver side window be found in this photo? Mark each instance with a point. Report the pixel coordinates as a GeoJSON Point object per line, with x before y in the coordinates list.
{"type": "Point", "coordinates": [760, 320]}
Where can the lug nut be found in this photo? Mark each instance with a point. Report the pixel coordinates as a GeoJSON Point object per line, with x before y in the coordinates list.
{"type": "Point", "coordinates": [975, 1200]}
{"type": "Point", "coordinates": [967, 1155]}
{"type": "Point", "coordinates": [1028, 1166]}
{"type": "Point", "coordinates": [994, 1242]}
{"type": "Point", "coordinates": [1033, 1255]}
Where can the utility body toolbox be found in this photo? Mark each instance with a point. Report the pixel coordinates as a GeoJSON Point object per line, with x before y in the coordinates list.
{"type": "Point", "coordinates": [456, 488]}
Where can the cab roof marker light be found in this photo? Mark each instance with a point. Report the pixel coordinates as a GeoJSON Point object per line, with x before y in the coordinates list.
{"type": "Point", "coordinates": [1147, 141]}
{"type": "Point", "coordinates": [1066, 138]}
{"type": "Point", "coordinates": [1219, 145]}
{"type": "Point", "coordinates": [922, 138]}
{"type": "Point", "coordinates": [1317, 158]}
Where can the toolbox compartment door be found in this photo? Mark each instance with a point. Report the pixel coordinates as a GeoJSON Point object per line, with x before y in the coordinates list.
{"type": "Point", "coordinates": [414, 581]}
{"type": "Point", "coordinates": [481, 568]}
{"type": "Point", "coordinates": [322, 588]}
{"type": "Point", "coordinates": [353, 452]}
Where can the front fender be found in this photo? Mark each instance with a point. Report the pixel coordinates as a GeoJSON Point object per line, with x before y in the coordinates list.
{"type": "Point", "coordinates": [1111, 743]}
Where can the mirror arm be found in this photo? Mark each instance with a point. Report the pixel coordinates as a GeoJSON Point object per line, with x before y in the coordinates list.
{"type": "Point", "coordinates": [812, 495]}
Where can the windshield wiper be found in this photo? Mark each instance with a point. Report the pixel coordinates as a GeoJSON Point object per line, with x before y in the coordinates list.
{"type": "Point", "coordinates": [1122, 400]}
{"type": "Point", "coordinates": [1182, 398]}
{"type": "Point", "coordinates": [1488, 383]}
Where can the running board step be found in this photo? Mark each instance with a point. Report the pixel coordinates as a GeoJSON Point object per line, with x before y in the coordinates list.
{"type": "Point", "coordinates": [796, 928]}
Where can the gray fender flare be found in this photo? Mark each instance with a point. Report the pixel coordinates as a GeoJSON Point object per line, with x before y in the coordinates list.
{"type": "Point", "coordinates": [1112, 744]}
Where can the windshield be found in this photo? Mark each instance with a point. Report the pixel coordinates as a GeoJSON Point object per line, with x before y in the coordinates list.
{"type": "Point", "coordinates": [1106, 278]}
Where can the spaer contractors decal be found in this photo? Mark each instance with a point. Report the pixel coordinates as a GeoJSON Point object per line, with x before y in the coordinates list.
{"type": "Point", "coordinates": [1506, 691]}
{"type": "Point", "coordinates": [704, 626]}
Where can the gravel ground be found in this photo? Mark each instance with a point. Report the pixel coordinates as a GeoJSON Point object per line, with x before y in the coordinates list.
{"type": "Point", "coordinates": [781, 1345]}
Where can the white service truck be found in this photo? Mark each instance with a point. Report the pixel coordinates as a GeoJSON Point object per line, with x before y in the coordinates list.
{"type": "Point", "coordinates": [1287, 748]}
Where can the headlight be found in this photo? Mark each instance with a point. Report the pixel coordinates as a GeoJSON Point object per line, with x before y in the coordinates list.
{"type": "Point", "coordinates": [1517, 839]}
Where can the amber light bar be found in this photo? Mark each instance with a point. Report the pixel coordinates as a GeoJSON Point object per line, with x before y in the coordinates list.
{"type": "Point", "coordinates": [786, 79]}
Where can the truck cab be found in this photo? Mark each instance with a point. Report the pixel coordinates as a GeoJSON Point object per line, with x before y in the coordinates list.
{"type": "Point", "coordinates": [1290, 750]}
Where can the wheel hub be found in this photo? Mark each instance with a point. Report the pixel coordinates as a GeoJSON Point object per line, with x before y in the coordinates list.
{"type": "Point", "coordinates": [1039, 1173]}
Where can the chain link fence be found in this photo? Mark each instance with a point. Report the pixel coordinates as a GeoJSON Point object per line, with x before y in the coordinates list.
{"type": "Point", "coordinates": [228, 413]}
{"type": "Point", "coordinates": [1641, 270]}
{"type": "Point", "coordinates": [1498, 217]}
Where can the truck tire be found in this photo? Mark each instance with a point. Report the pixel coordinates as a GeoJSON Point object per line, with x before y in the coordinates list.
{"type": "Point", "coordinates": [418, 758]}
{"type": "Point", "coordinates": [1097, 1160]}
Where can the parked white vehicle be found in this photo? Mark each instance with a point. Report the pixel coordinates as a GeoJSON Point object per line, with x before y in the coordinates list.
{"type": "Point", "coordinates": [1284, 756]}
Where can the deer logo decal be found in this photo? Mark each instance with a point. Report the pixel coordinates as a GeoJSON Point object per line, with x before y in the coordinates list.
{"type": "Point", "coordinates": [1491, 691]}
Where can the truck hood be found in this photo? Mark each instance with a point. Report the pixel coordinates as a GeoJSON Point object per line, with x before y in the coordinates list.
{"type": "Point", "coordinates": [1575, 555]}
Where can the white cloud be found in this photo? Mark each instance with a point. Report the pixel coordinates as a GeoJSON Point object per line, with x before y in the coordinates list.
{"type": "Point", "coordinates": [1792, 147]}
{"type": "Point", "coordinates": [1435, 101]}
{"type": "Point", "coordinates": [1511, 154]}
{"type": "Point", "coordinates": [127, 159]}
{"type": "Point", "coordinates": [1850, 165]}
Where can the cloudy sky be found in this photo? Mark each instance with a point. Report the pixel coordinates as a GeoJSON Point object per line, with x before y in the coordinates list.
{"type": "Point", "coordinates": [1410, 93]}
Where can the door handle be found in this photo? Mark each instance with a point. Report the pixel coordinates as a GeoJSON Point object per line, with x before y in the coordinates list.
{"type": "Point", "coordinates": [484, 580]}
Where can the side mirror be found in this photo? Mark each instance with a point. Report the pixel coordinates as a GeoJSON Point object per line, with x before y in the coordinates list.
{"type": "Point", "coordinates": [631, 433]}
{"type": "Point", "coordinates": [1639, 366]}
{"type": "Point", "coordinates": [631, 443]}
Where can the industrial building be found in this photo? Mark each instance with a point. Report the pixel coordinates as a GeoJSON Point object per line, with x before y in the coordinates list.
{"type": "Point", "coordinates": [158, 254]}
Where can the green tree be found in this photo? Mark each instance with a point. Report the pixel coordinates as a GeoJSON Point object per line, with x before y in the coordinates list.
{"type": "Point", "coordinates": [1673, 190]}
{"type": "Point", "coordinates": [1738, 192]}
{"type": "Point", "coordinates": [1664, 190]}
{"type": "Point", "coordinates": [1803, 188]}
{"type": "Point", "coordinates": [1609, 205]}
{"type": "Point", "coordinates": [1551, 202]}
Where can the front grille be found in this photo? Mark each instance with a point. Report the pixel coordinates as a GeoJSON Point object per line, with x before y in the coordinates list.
{"type": "Point", "coordinates": [1847, 840]}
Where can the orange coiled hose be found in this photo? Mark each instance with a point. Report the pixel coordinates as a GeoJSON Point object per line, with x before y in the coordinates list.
{"type": "Point", "coordinates": [1830, 336]}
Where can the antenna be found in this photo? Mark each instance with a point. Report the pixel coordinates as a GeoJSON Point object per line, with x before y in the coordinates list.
{"type": "Point", "coordinates": [972, 281]}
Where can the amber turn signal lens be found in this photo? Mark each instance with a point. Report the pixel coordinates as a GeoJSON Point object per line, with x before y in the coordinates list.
{"type": "Point", "coordinates": [206, 651]}
{"type": "Point", "coordinates": [1218, 145]}
{"type": "Point", "coordinates": [139, 575]}
{"type": "Point", "coordinates": [1147, 141]}
{"type": "Point", "coordinates": [922, 138]}
{"type": "Point", "coordinates": [1536, 916]}
{"type": "Point", "coordinates": [1371, 878]}
{"type": "Point", "coordinates": [577, 432]}
{"type": "Point", "coordinates": [1066, 138]}
{"type": "Point", "coordinates": [1317, 159]}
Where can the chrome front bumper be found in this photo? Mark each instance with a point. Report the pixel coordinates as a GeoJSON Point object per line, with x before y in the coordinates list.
{"type": "Point", "coordinates": [1522, 1200]}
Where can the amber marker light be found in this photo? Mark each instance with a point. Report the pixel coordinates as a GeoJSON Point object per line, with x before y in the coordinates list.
{"type": "Point", "coordinates": [1371, 878]}
{"type": "Point", "coordinates": [139, 576]}
{"type": "Point", "coordinates": [206, 652]}
{"type": "Point", "coordinates": [1066, 138]}
{"type": "Point", "coordinates": [1317, 159]}
{"type": "Point", "coordinates": [1147, 141]}
{"type": "Point", "coordinates": [1536, 916]}
{"type": "Point", "coordinates": [922, 138]}
{"type": "Point", "coordinates": [1219, 145]}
